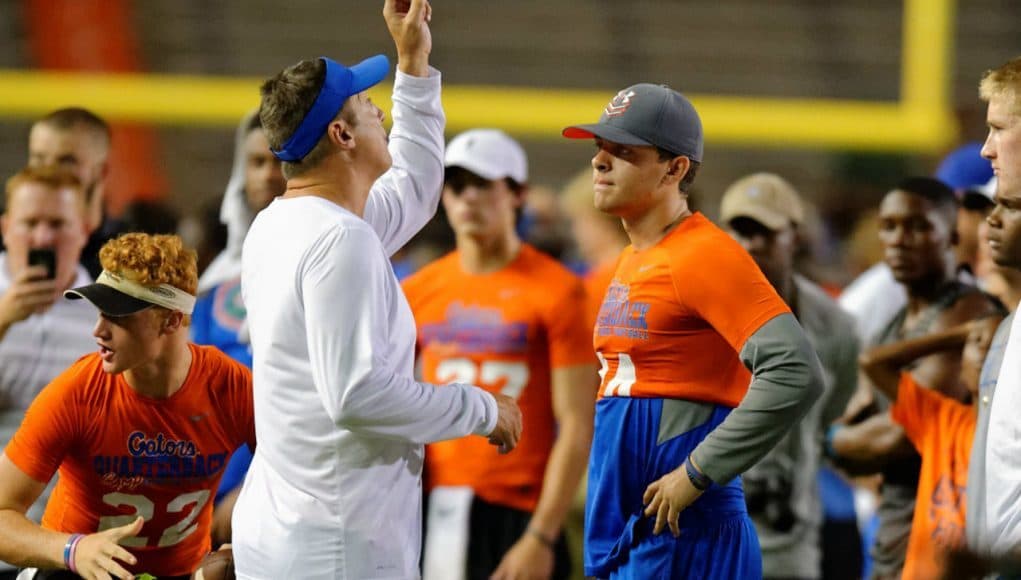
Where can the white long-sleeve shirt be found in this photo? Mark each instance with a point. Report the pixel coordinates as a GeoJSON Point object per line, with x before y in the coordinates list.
{"type": "Point", "coordinates": [1001, 530]}
{"type": "Point", "coordinates": [334, 490]}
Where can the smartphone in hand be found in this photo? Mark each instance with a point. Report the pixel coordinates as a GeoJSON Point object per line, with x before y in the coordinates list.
{"type": "Point", "coordinates": [46, 257]}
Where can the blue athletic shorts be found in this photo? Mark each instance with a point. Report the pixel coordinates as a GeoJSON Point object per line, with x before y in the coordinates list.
{"type": "Point", "coordinates": [717, 537]}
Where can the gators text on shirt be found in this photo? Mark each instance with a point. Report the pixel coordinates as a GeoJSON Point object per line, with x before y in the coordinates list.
{"type": "Point", "coordinates": [122, 455]}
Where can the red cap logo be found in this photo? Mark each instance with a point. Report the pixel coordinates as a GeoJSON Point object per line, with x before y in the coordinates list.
{"type": "Point", "coordinates": [619, 104]}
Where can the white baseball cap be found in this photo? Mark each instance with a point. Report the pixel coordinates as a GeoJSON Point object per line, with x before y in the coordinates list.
{"type": "Point", "coordinates": [488, 153]}
{"type": "Point", "coordinates": [989, 189]}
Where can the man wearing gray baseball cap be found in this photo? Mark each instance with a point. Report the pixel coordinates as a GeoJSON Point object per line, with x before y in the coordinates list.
{"type": "Point", "coordinates": [705, 368]}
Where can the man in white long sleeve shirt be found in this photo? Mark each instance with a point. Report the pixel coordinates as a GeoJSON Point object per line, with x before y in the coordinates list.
{"type": "Point", "coordinates": [334, 490]}
{"type": "Point", "coordinates": [994, 475]}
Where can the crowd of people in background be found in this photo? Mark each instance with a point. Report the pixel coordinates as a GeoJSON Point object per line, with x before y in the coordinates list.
{"type": "Point", "coordinates": [820, 432]}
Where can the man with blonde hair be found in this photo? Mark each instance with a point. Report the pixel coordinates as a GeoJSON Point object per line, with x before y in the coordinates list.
{"type": "Point", "coordinates": [994, 477]}
{"type": "Point", "coordinates": [77, 141]}
{"type": "Point", "coordinates": [44, 227]}
{"type": "Point", "coordinates": [140, 430]}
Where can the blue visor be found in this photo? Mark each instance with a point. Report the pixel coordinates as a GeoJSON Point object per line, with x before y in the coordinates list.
{"type": "Point", "coordinates": [341, 83]}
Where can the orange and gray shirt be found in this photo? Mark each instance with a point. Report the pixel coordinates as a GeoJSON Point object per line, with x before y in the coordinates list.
{"type": "Point", "coordinates": [693, 318]}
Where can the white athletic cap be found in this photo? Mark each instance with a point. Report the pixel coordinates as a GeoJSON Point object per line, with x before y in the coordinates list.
{"type": "Point", "coordinates": [989, 189]}
{"type": "Point", "coordinates": [488, 153]}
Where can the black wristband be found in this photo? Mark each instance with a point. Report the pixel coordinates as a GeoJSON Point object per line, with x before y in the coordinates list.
{"type": "Point", "coordinates": [698, 479]}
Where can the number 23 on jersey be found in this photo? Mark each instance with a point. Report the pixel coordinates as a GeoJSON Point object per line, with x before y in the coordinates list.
{"type": "Point", "coordinates": [513, 376]}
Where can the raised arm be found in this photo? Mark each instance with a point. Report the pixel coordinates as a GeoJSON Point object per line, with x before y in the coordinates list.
{"type": "Point", "coordinates": [883, 364]}
{"type": "Point", "coordinates": [871, 444]}
{"type": "Point", "coordinates": [408, 23]}
{"type": "Point", "coordinates": [30, 292]}
{"type": "Point", "coordinates": [942, 371]}
{"type": "Point", "coordinates": [405, 198]}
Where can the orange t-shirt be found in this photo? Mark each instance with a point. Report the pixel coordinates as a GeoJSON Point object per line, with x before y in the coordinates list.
{"type": "Point", "coordinates": [504, 331]}
{"type": "Point", "coordinates": [942, 431]}
{"type": "Point", "coordinates": [122, 455]}
{"type": "Point", "coordinates": [676, 316]}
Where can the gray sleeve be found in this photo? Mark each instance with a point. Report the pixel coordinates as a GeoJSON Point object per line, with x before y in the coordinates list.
{"type": "Point", "coordinates": [786, 380]}
{"type": "Point", "coordinates": [845, 377]}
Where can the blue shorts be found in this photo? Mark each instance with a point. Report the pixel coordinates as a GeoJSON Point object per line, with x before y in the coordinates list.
{"type": "Point", "coordinates": [717, 537]}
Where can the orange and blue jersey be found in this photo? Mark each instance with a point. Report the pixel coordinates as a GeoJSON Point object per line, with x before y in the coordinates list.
{"type": "Point", "coordinates": [668, 336]}
{"type": "Point", "coordinates": [505, 331]}
{"type": "Point", "coordinates": [122, 455]}
{"type": "Point", "coordinates": [676, 316]}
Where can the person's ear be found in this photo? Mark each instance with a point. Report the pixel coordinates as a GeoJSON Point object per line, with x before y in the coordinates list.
{"type": "Point", "coordinates": [677, 168]}
{"type": "Point", "coordinates": [173, 322]}
{"type": "Point", "coordinates": [340, 134]}
{"type": "Point", "coordinates": [104, 171]}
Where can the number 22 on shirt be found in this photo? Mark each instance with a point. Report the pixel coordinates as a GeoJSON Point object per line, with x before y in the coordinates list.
{"type": "Point", "coordinates": [145, 508]}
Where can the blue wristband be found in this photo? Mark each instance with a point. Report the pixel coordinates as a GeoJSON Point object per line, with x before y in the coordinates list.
{"type": "Point", "coordinates": [827, 446]}
{"type": "Point", "coordinates": [700, 480]}
{"type": "Point", "coordinates": [68, 547]}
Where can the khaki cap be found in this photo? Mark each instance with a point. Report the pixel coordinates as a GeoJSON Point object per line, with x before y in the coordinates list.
{"type": "Point", "coordinates": [764, 197]}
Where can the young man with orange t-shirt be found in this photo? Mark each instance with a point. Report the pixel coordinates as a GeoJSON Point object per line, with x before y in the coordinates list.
{"type": "Point", "coordinates": [498, 313]}
{"type": "Point", "coordinates": [704, 367]}
{"type": "Point", "coordinates": [140, 431]}
{"type": "Point", "coordinates": [941, 429]}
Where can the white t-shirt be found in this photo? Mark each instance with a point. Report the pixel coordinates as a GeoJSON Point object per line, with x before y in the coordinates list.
{"type": "Point", "coordinates": [334, 490]}
{"type": "Point", "coordinates": [33, 352]}
{"type": "Point", "coordinates": [873, 298]}
{"type": "Point", "coordinates": [1003, 453]}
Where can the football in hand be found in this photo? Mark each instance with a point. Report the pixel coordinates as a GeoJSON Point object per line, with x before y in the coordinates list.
{"type": "Point", "coordinates": [218, 565]}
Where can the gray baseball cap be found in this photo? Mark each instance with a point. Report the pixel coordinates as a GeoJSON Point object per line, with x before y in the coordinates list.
{"type": "Point", "coordinates": [648, 114]}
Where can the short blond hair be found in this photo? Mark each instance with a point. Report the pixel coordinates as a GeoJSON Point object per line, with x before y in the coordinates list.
{"type": "Point", "coordinates": [151, 260]}
{"type": "Point", "coordinates": [52, 177]}
{"type": "Point", "coordinates": [71, 118]}
{"type": "Point", "coordinates": [1003, 81]}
